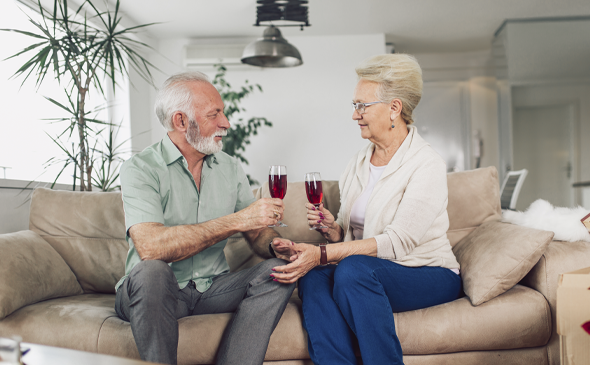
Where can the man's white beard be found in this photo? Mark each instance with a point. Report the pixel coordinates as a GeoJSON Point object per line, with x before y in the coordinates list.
{"type": "Point", "coordinates": [205, 145]}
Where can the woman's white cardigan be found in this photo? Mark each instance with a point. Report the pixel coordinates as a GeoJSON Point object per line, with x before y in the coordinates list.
{"type": "Point", "coordinates": [407, 210]}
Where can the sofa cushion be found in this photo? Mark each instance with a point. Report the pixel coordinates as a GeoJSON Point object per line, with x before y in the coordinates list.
{"type": "Point", "coordinates": [516, 319]}
{"type": "Point", "coordinates": [31, 271]}
{"type": "Point", "coordinates": [89, 322]}
{"type": "Point", "coordinates": [474, 198]}
{"type": "Point", "coordinates": [72, 322]}
{"type": "Point", "coordinates": [88, 230]}
{"type": "Point", "coordinates": [534, 355]}
{"type": "Point", "coordinates": [519, 318]}
{"type": "Point", "coordinates": [496, 256]}
{"type": "Point", "coordinates": [199, 338]}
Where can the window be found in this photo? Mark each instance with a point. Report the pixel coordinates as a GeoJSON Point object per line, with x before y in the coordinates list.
{"type": "Point", "coordinates": [25, 145]}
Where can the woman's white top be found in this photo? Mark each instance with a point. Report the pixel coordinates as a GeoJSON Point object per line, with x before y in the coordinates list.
{"type": "Point", "coordinates": [357, 214]}
{"type": "Point", "coordinates": [405, 211]}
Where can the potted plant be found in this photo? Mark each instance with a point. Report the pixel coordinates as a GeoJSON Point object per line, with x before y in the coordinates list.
{"type": "Point", "coordinates": [238, 136]}
{"type": "Point", "coordinates": [86, 50]}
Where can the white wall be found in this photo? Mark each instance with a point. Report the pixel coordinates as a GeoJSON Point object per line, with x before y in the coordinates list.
{"type": "Point", "coordinates": [15, 202]}
{"type": "Point", "coordinates": [310, 108]}
{"type": "Point", "coordinates": [309, 105]}
{"type": "Point", "coordinates": [443, 120]}
{"type": "Point", "coordinates": [474, 73]}
{"type": "Point", "coordinates": [484, 117]}
{"type": "Point", "coordinates": [543, 94]}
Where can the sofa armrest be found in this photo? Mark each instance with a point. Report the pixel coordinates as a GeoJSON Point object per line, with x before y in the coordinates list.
{"type": "Point", "coordinates": [31, 271]}
{"type": "Point", "coordinates": [559, 257]}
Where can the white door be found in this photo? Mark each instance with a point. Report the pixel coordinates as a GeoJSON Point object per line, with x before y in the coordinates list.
{"type": "Point", "coordinates": [542, 144]}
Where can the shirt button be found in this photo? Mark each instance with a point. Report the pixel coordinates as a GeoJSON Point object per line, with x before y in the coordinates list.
{"type": "Point", "coordinates": [196, 273]}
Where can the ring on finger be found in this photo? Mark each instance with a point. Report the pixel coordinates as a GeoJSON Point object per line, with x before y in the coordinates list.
{"type": "Point", "coordinates": [276, 214]}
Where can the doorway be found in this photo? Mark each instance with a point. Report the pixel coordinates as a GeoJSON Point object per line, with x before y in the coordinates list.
{"type": "Point", "coordinates": [543, 143]}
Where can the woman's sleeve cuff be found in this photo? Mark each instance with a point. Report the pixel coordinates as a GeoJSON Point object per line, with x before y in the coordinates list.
{"type": "Point", "coordinates": [384, 247]}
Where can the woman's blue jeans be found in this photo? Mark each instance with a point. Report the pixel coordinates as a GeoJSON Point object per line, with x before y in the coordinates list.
{"type": "Point", "coordinates": [355, 301]}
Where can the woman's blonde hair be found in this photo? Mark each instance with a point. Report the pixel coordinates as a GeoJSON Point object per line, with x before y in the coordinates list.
{"type": "Point", "coordinates": [399, 77]}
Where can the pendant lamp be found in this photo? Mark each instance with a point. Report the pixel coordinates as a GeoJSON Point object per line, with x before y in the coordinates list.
{"type": "Point", "coordinates": [272, 50]}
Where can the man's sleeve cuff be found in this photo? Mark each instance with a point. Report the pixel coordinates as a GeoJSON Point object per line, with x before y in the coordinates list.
{"type": "Point", "coordinates": [143, 219]}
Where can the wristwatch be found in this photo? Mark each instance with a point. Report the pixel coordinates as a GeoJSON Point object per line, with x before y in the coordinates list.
{"type": "Point", "coordinates": [323, 255]}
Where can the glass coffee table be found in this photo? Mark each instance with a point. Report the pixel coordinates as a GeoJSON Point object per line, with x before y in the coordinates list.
{"type": "Point", "coordinates": [48, 355]}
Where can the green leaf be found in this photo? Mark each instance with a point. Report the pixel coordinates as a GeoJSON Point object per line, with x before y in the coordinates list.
{"type": "Point", "coordinates": [86, 57]}
{"type": "Point", "coordinates": [60, 105]}
{"type": "Point", "coordinates": [25, 33]}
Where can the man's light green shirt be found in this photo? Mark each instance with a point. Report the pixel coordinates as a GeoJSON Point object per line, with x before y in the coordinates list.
{"type": "Point", "coordinates": [158, 187]}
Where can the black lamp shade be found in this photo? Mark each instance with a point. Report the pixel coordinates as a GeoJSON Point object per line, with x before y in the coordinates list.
{"type": "Point", "coordinates": [272, 50]}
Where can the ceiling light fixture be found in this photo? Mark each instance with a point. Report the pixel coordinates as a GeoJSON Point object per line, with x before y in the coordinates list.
{"type": "Point", "coordinates": [272, 50]}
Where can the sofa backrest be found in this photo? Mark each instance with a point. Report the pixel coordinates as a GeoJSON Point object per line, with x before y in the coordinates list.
{"type": "Point", "coordinates": [88, 229]}
{"type": "Point", "coordinates": [474, 198]}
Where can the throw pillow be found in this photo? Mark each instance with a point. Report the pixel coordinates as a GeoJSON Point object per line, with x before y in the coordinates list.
{"type": "Point", "coordinates": [496, 256]}
{"type": "Point", "coordinates": [31, 271]}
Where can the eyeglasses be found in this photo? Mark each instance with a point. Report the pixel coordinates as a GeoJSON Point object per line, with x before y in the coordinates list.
{"type": "Point", "coordinates": [360, 107]}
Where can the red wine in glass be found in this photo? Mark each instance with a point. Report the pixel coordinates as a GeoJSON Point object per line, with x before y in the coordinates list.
{"type": "Point", "coordinates": [315, 194]}
{"type": "Point", "coordinates": [277, 184]}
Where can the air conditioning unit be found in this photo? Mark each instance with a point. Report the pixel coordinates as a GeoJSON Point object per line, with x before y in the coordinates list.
{"type": "Point", "coordinates": [206, 55]}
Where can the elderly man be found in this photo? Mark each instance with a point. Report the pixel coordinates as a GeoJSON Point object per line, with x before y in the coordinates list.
{"type": "Point", "coordinates": [183, 198]}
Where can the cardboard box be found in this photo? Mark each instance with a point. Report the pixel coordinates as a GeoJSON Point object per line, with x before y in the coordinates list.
{"type": "Point", "coordinates": [573, 317]}
{"type": "Point", "coordinates": [586, 221]}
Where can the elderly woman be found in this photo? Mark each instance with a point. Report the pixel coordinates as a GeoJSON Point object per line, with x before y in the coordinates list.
{"type": "Point", "coordinates": [388, 250]}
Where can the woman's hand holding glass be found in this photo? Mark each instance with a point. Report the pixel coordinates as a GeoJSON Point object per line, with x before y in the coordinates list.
{"type": "Point", "coordinates": [319, 215]}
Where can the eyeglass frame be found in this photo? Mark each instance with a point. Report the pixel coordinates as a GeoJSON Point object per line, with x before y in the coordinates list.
{"type": "Point", "coordinates": [364, 105]}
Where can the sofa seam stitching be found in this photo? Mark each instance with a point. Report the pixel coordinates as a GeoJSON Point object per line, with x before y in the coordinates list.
{"type": "Point", "coordinates": [548, 323]}
{"type": "Point", "coordinates": [461, 229]}
{"type": "Point", "coordinates": [88, 238]}
{"type": "Point", "coordinates": [549, 352]}
{"type": "Point", "coordinates": [100, 331]}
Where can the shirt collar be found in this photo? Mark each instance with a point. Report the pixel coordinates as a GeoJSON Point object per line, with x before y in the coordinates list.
{"type": "Point", "coordinates": [209, 159]}
{"type": "Point", "coordinates": [171, 153]}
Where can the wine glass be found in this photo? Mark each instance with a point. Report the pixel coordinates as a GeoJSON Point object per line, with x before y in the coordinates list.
{"type": "Point", "coordinates": [313, 189]}
{"type": "Point", "coordinates": [277, 184]}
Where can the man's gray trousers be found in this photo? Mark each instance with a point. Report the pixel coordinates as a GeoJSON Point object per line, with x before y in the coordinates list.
{"type": "Point", "coordinates": [151, 300]}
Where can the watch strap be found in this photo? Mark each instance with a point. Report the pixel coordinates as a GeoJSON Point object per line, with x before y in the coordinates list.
{"type": "Point", "coordinates": [323, 255]}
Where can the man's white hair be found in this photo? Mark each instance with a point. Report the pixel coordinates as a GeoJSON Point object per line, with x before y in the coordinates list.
{"type": "Point", "coordinates": [175, 96]}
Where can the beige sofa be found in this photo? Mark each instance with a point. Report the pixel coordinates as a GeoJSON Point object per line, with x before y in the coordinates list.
{"type": "Point", "coordinates": [57, 282]}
